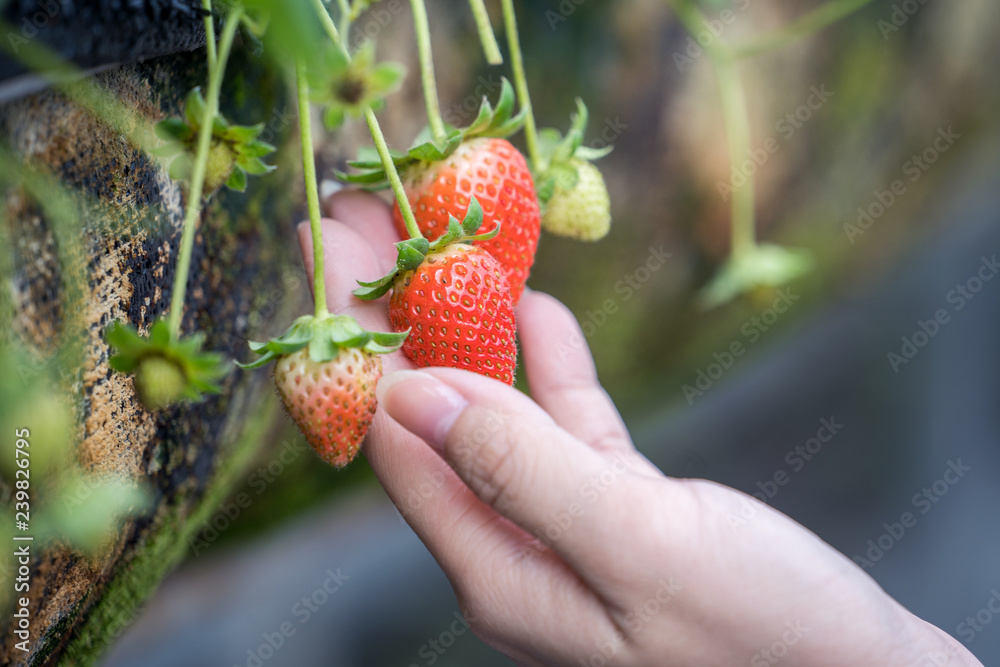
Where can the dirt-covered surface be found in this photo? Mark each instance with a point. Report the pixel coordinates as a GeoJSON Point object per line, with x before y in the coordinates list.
{"type": "Point", "coordinates": [126, 243]}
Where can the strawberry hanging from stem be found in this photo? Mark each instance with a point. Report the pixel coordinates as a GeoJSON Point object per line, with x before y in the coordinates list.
{"type": "Point", "coordinates": [454, 300]}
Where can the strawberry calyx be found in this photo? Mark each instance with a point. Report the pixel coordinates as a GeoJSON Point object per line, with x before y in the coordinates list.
{"type": "Point", "coordinates": [325, 337]}
{"type": "Point", "coordinates": [235, 150]}
{"type": "Point", "coordinates": [413, 251]}
{"type": "Point", "coordinates": [559, 156]}
{"type": "Point", "coordinates": [167, 370]}
{"type": "Point", "coordinates": [348, 85]}
{"type": "Point", "coordinates": [491, 121]}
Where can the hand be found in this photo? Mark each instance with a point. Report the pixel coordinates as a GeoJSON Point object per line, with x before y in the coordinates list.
{"type": "Point", "coordinates": [564, 545]}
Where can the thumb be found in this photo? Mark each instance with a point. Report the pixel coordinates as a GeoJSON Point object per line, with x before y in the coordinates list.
{"type": "Point", "coordinates": [506, 449]}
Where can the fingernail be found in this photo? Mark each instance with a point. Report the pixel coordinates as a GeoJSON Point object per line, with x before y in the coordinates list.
{"type": "Point", "coordinates": [422, 404]}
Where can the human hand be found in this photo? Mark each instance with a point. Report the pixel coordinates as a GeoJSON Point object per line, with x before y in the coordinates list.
{"type": "Point", "coordinates": [564, 545]}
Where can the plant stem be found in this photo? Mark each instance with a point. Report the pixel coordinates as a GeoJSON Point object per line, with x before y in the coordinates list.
{"type": "Point", "coordinates": [427, 70]}
{"type": "Point", "coordinates": [737, 123]}
{"type": "Point", "coordinates": [377, 137]}
{"type": "Point", "coordinates": [312, 194]}
{"type": "Point", "coordinates": [390, 171]}
{"type": "Point", "coordinates": [489, 40]}
{"type": "Point", "coordinates": [521, 84]}
{"type": "Point", "coordinates": [215, 76]}
{"type": "Point", "coordinates": [209, 34]}
{"type": "Point", "coordinates": [328, 25]}
{"type": "Point", "coordinates": [812, 22]}
{"type": "Point", "coordinates": [345, 20]}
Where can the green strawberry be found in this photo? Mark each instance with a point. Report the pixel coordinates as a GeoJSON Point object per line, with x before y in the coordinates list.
{"type": "Point", "coordinates": [581, 211]}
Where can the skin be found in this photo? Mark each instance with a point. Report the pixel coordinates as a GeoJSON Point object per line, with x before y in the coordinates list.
{"type": "Point", "coordinates": [564, 545]}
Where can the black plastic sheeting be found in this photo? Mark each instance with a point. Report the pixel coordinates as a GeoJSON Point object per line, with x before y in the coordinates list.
{"type": "Point", "coordinates": [92, 33]}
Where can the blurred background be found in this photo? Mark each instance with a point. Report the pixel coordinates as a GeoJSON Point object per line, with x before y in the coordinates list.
{"type": "Point", "coordinates": [886, 170]}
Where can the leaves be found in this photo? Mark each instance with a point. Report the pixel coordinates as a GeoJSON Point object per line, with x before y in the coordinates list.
{"type": "Point", "coordinates": [347, 86]}
{"type": "Point", "coordinates": [558, 154]}
{"type": "Point", "coordinates": [764, 266]}
{"type": "Point", "coordinates": [491, 121]}
{"type": "Point", "coordinates": [236, 147]}
{"type": "Point", "coordinates": [325, 337]}
{"type": "Point", "coordinates": [411, 253]}
{"type": "Point", "coordinates": [167, 370]}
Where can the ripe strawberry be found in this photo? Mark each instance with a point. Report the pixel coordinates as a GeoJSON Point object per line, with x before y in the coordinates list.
{"type": "Point", "coordinates": [457, 306]}
{"type": "Point", "coordinates": [332, 402]}
{"type": "Point", "coordinates": [497, 174]}
{"type": "Point", "coordinates": [581, 211]}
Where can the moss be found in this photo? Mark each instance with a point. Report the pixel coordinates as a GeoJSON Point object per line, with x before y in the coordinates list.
{"type": "Point", "coordinates": [164, 548]}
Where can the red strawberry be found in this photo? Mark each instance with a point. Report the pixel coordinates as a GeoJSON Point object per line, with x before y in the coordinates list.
{"type": "Point", "coordinates": [457, 306]}
{"type": "Point", "coordinates": [498, 175]}
{"type": "Point", "coordinates": [332, 402]}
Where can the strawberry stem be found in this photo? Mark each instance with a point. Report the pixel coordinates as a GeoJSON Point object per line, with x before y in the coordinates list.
{"type": "Point", "coordinates": [345, 20]}
{"type": "Point", "coordinates": [312, 193]}
{"type": "Point", "coordinates": [737, 125]}
{"type": "Point", "coordinates": [521, 84]}
{"type": "Point", "coordinates": [489, 40]}
{"type": "Point", "coordinates": [427, 70]}
{"type": "Point", "coordinates": [209, 34]}
{"type": "Point", "coordinates": [191, 214]}
{"type": "Point", "coordinates": [377, 137]}
{"type": "Point", "coordinates": [393, 175]}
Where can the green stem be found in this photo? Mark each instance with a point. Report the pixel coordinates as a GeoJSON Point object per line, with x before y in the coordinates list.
{"type": "Point", "coordinates": [328, 25]}
{"type": "Point", "coordinates": [802, 27]}
{"type": "Point", "coordinates": [209, 34]}
{"type": "Point", "coordinates": [215, 76]}
{"type": "Point", "coordinates": [486, 36]}
{"type": "Point", "coordinates": [427, 70]}
{"type": "Point", "coordinates": [737, 124]}
{"type": "Point", "coordinates": [390, 171]}
{"type": "Point", "coordinates": [521, 84]}
{"type": "Point", "coordinates": [377, 137]}
{"type": "Point", "coordinates": [312, 194]}
{"type": "Point", "coordinates": [346, 16]}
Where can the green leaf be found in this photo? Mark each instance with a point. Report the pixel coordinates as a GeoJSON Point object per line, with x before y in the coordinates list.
{"type": "Point", "coordinates": [256, 149]}
{"type": "Point", "coordinates": [194, 107]}
{"type": "Point", "coordinates": [765, 265]}
{"type": "Point", "coordinates": [173, 129]}
{"type": "Point", "coordinates": [386, 78]}
{"type": "Point", "coordinates": [333, 117]}
{"type": "Point", "coordinates": [473, 217]}
{"type": "Point", "coordinates": [237, 180]}
{"type": "Point", "coordinates": [255, 166]}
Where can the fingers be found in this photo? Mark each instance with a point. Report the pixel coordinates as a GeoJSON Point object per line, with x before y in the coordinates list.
{"type": "Point", "coordinates": [512, 456]}
{"type": "Point", "coordinates": [562, 376]}
{"type": "Point", "coordinates": [368, 215]}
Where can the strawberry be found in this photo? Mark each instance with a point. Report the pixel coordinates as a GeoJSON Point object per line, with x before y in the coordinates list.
{"type": "Point", "coordinates": [332, 402]}
{"type": "Point", "coordinates": [454, 300]}
{"type": "Point", "coordinates": [457, 306]}
{"type": "Point", "coordinates": [326, 371]}
{"type": "Point", "coordinates": [493, 171]}
{"type": "Point", "coordinates": [580, 209]}
{"type": "Point", "coordinates": [571, 190]}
